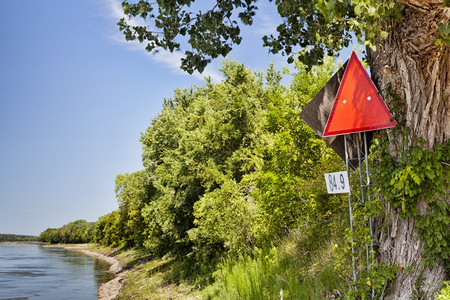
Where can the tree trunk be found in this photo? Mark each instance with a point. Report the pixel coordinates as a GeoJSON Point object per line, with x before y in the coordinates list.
{"type": "Point", "coordinates": [419, 73]}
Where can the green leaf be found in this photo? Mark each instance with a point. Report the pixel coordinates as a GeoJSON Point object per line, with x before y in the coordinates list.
{"type": "Point", "coordinates": [442, 204]}
{"type": "Point", "coordinates": [416, 178]}
{"type": "Point", "coordinates": [444, 29]}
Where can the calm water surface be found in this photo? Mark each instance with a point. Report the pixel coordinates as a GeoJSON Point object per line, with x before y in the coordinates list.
{"type": "Point", "coordinates": [36, 272]}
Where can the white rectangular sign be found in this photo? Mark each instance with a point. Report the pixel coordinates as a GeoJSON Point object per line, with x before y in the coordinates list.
{"type": "Point", "coordinates": [337, 182]}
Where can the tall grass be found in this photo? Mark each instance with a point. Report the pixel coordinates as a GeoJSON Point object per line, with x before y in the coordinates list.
{"type": "Point", "coordinates": [299, 269]}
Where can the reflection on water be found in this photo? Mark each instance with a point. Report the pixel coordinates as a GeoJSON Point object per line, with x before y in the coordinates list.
{"type": "Point", "coordinates": [36, 272]}
{"type": "Point", "coordinates": [100, 266]}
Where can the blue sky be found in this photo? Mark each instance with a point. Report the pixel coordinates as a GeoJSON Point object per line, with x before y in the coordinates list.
{"type": "Point", "coordinates": [74, 99]}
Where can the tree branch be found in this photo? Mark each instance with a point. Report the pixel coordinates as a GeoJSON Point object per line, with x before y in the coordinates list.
{"type": "Point", "coordinates": [206, 13]}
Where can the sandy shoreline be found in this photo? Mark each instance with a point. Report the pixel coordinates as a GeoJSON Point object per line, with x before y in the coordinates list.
{"type": "Point", "coordinates": [108, 290]}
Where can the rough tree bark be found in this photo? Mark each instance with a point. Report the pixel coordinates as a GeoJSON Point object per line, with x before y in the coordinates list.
{"type": "Point", "coordinates": [419, 73]}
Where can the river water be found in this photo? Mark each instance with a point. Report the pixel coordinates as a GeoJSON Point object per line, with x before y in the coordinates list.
{"type": "Point", "coordinates": [36, 272]}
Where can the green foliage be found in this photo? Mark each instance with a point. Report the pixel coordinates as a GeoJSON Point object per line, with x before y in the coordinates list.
{"type": "Point", "coordinates": [228, 167]}
{"type": "Point", "coordinates": [300, 267]}
{"type": "Point", "coordinates": [198, 143]}
{"type": "Point", "coordinates": [289, 188]}
{"type": "Point", "coordinates": [50, 236]}
{"type": "Point", "coordinates": [211, 33]}
{"type": "Point", "coordinates": [445, 292]}
{"type": "Point", "coordinates": [444, 30]}
{"type": "Point", "coordinates": [416, 183]}
{"type": "Point", "coordinates": [133, 192]}
{"type": "Point", "coordinates": [224, 215]}
{"type": "Point", "coordinates": [372, 276]}
{"type": "Point", "coordinates": [75, 232]}
{"type": "Point", "coordinates": [107, 230]}
{"type": "Point", "coordinates": [326, 26]}
{"type": "Point", "coordinates": [418, 186]}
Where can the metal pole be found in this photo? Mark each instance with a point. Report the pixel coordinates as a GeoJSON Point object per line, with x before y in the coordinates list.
{"type": "Point", "coordinates": [361, 186]}
{"type": "Point", "coordinates": [350, 208]}
{"type": "Point", "coordinates": [366, 154]}
{"type": "Point", "coordinates": [368, 184]}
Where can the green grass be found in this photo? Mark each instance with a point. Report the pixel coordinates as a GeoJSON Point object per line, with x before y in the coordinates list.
{"type": "Point", "coordinates": [300, 267]}
{"type": "Point", "coordinates": [299, 270]}
{"type": "Point", "coordinates": [149, 280]}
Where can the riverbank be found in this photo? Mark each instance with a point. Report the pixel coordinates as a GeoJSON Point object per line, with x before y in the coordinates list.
{"type": "Point", "coordinates": [137, 275]}
{"type": "Point", "coordinates": [111, 289]}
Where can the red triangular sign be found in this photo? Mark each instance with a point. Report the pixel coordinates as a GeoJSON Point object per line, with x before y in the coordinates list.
{"type": "Point", "coordinates": [358, 106]}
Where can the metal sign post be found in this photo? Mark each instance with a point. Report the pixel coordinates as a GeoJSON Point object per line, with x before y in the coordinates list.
{"type": "Point", "coordinates": [347, 164]}
{"type": "Point", "coordinates": [344, 113]}
{"type": "Point", "coordinates": [340, 182]}
{"type": "Point", "coordinates": [358, 170]}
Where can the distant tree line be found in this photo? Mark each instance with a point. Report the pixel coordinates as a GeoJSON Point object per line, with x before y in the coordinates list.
{"type": "Point", "coordinates": [79, 231]}
{"type": "Point", "coordinates": [18, 238]}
